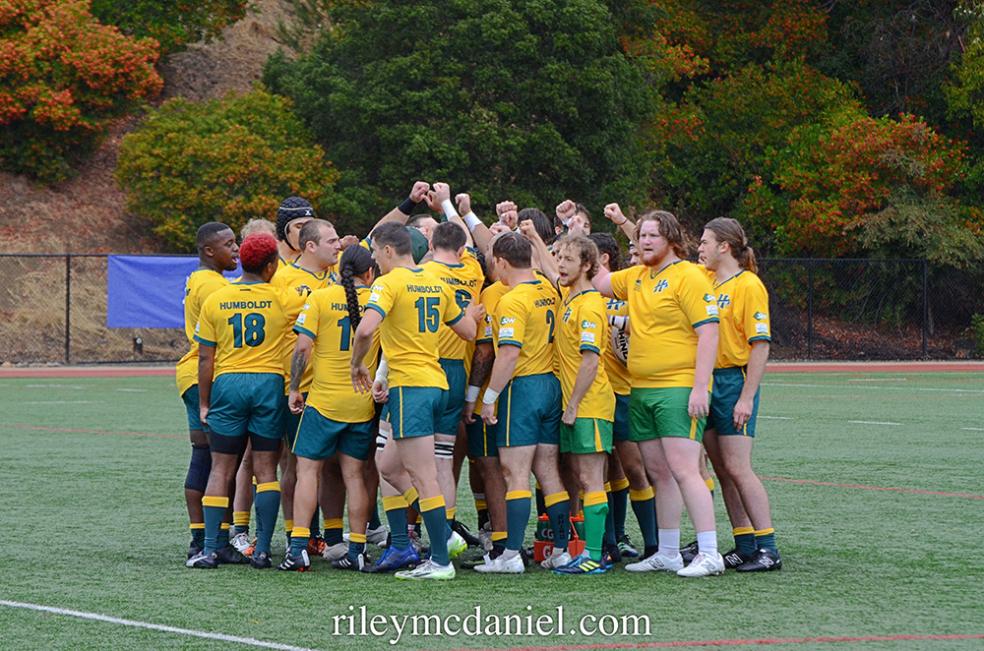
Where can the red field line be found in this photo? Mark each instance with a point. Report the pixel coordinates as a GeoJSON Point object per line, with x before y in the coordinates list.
{"type": "Point", "coordinates": [85, 371]}
{"type": "Point", "coordinates": [100, 432]}
{"type": "Point", "coordinates": [770, 641]}
{"type": "Point", "coordinates": [876, 367]}
{"type": "Point", "coordinates": [867, 487]}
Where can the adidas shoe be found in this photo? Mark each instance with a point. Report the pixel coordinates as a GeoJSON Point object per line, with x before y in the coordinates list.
{"type": "Point", "coordinates": [358, 563]}
{"type": "Point", "coordinates": [240, 542]}
{"type": "Point", "coordinates": [703, 565]}
{"type": "Point", "coordinates": [395, 559]}
{"type": "Point", "coordinates": [582, 565]}
{"type": "Point", "coordinates": [626, 549]}
{"type": "Point", "coordinates": [657, 563]}
{"type": "Point", "coordinates": [428, 570]}
{"type": "Point", "coordinates": [765, 560]}
{"type": "Point", "coordinates": [456, 545]}
{"type": "Point", "coordinates": [462, 530]}
{"type": "Point", "coordinates": [261, 560]}
{"type": "Point", "coordinates": [203, 561]}
{"type": "Point", "coordinates": [229, 556]}
{"type": "Point", "coordinates": [734, 558]}
{"type": "Point", "coordinates": [334, 552]}
{"type": "Point", "coordinates": [503, 565]}
{"type": "Point", "coordinates": [556, 560]}
{"type": "Point", "coordinates": [299, 563]}
{"type": "Point", "coordinates": [689, 552]}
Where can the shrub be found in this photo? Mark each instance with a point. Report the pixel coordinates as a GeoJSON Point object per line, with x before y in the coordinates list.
{"type": "Point", "coordinates": [174, 23]}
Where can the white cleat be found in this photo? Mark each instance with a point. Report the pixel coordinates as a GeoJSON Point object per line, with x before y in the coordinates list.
{"type": "Point", "coordinates": [456, 545]}
{"type": "Point", "coordinates": [555, 560]}
{"type": "Point", "coordinates": [428, 570]}
{"type": "Point", "coordinates": [335, 552]}
{"type": "Point", "coordinates": [703, 565]}
{"type": "Point", "coordinates": [378, 535]}
{"type": "Point", "coordinates": [240, 542]}
{"type": "Point", "coordinates": [502, 565]}
{"type": "Point", "coordinates": [657, 563]}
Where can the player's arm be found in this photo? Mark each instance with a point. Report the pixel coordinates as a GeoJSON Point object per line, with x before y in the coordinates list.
{"type": "Point", "coordinates": [361, 379]}
{"type": "Point", "coordinates": [482, 360]}
{"type": "Point", "coordinates": [613, 213]}
{"type": "Point", "coordinates": [757, 359]}
{"type": "Point", "coordinates": [206, 369]}
{"type": "Point", "coordinates": [586, 373]}
{"type": "Point", "coordinates": [299, 362]}
{"type": "Point", "coordinates": [542, 258]}
{"type": "Point", "coordinates": [707, 344]}
{"type": "Point", "coordinates": [400, 214]}
{"type": "Point", "coordinates": [603, 282]}
{"type": "Point", "coordinates": [502, 372]}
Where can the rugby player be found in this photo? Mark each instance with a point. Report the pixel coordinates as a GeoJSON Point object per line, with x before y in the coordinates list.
{"type": "Point", "coordinates": [292, 214]}
{"type": "Point", "coordinates": [240, 386]}
{"type": "Point", "coordinates": [743, 351]}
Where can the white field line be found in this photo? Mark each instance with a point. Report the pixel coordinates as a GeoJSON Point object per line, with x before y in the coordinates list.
{"type": "Point", "coordinates": [52, 386]}
{"type": "Point", "coordinates": [776, 417]}
{"type": "Point", "coordinates": [133, 390]}
{"type": "Point", "coordinates": [879, 379]}
{"type": "Point", "coordinates": [249, 641]}
{"type": "Point", "coordinates": [60, 402]}
{"type": "Point", "coordinates": [973, 429]}
{"type": "Point", "coordinates": [870, 388]}
{"type": "Point", "coordinates": [872, 422]}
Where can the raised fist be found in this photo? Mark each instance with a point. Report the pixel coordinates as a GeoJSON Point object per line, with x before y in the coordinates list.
{"type": "Point", "coordinates": [528, 230]}
{"type": "Point", "coordinates": [464, 203]}
{"type": "Point", "coordinates": [347, 241]}
{"type": "Point", "coordinates": [419, 191]}
{"type": "Point", "coordinates": [565, 210]}
{"type": "Point", "coordinates": [442, 191]}
{"type": "Point", "coordinates": [614, 214]}
{"type": "Point", "coordinates": [508, 213]}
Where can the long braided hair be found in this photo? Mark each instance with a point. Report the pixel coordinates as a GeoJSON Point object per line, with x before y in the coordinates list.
{"type": "Point", "coordinates": [355, 261]}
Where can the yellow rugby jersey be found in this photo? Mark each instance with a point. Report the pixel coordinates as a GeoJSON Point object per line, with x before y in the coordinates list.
{"type": "Point", "coordinates": [414, 303]}
{"type": "Point", "coordinates": [297, 284]}
{"type": "Point", "coordinates": [743, 306]}
{"type": "Point", "coordinates": [584, 326]}
{"type": "Point", "coordinates": [490, 299]}
{"type": "Point", "coordinates": [325, 319]}
{"type": "Point", "coordinates": [617, 350]}
{"type": "Point", "coordinates": [664, 309]}
{"type": "Point", "coordinates": [464, 280]}
{"type": "Point", "coordinates": [527, 317]}
{"type": "Point", "coordinates": [245, 322]}
{"type": "Point", "coordinates": [199, 285]}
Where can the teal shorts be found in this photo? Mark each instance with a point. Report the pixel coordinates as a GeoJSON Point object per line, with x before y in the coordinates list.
{"type": "Point", "coordinates": [529, 411]}
{"type": "Point", "coordinates": [481, 439]}
{"type": "Point", "coordinates": [291, 422]}
{"type": "Point", "coordinates": [621, 429]}
{"type": "Point", "coordinates": [247, 402]}
{"type": "Point", "coordinates": [190, 400]}
{"type": "Point", "coordinates": [415, 411]}
{"type": "Point", "coordinates": [663, 413]}
{"type": "Point", "coordinates": [319, 437]}
{"type": "Point", "coordinates": [728, 383]}
{"type": "Point", "coordinates": [454, 370]}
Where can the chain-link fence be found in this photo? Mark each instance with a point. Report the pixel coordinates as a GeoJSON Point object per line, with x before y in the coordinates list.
{"type": "Point", "coordinates": [53, 310]}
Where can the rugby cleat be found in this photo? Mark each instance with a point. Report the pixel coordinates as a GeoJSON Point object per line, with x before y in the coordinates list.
{"type": "Point", "coordinates": [395, 559]}
{"type": "Point", "coordinates": [240, 542]}
{"type": "Point", "coordinates": [377, 536]}
{"type": "Point", "coordinates": [456, 545]}
{"type": "Point", "coordinates": [203, 561]}
{"type": "Point", "coordinates": [462, 530]}
{"type": "Point", "coordinates": [703, 565]}
{"type": "Point", "coordinates": [583, 565]}
{"type": "Point", "coordinates": [299, 563]}
{"type": "Point", "coordinates": [611, 555]}
{"type": "Point", "coordinates": [194, 550]}
{"type": "Point", "coordinates": [229, 556]}
{"type": "Point", "coordinates": [657, 563]}
{"type": "Point", "coordinates": [429, 570]}
{"type": "Point", "coordinates": [503, 565]}
{"type": "Point", "coordinates": [556, 560]}
{"type": "Point", "coordinates": [316, 546]}
{"type": "Point", "coordinates": [734, 558]}
{"type": "Point", "coordinates": [248, 552]}
{"type": "Point", "coordinates": [261, 560]}
{"type": "Point", "coordinates": [334, 552]}
{"type": "Point", "coordinates": [359, 563]}
{"type": "Point", "coordinates": [689, 552]}
{"type": "Point", "coordinates": [626, 549]}
{"type": "Point", "coordinates": [765, 560]}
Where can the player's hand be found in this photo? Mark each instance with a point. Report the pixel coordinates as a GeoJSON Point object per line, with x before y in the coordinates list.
{"type": "Point", "coordinates": [380, 391]}
{"type": "Point", "coordinates": [508, 213]}
{"type": "Point", "coordinates": [697, 406]}
{"type": "Point", "coordinates": [419, 191]}
{"type": "Point", "coordinates": [528, 230]}
{"type": "Point", "coordinates": [565, 210]}
{"type": "Point", "coordinates": [569, 415]}
{"type": "Point", "coordinates": [464, 203]}
{"type": "Point", "coordinates": [348, 240]}
{"type": "Point", "coordinates": [488, 414]}
{"type": "Point", "coordinates": [442, 192]}
{"type": "Point", "coordinates": [295, 402]}
{"type": "Point", "coordinates": [361, 380]}
{"type": "Point", "coordinates": [468, 415]}
{"type": "Point", "coordinates": [499, 227]}
{"type": "Point", "coordinates": [476, 311]}
{"type": "Point", "coordinates": [613, 213]}
{"type": "Point", "coordinates": [203, 414]}
{"type": "Point", "coordinates": [743, 412]}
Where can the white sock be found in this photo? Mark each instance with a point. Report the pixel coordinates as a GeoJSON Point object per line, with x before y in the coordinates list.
{"type": "Point", "coordinates": [707, 542]}
{"type": "Point", "coordinates": [669, 541]}
{"type": "Point", "coordinates": [509, 553]}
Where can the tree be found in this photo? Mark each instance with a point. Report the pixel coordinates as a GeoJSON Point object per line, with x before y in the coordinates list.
{"type": "Point", "coordinates": [63, 78]}
{"type": "Point", "coordinates": [173, 23]}
{"type": "Point", "coordinates": [228, 160]}
{"type": "Point", "coordinates": [534, 101]}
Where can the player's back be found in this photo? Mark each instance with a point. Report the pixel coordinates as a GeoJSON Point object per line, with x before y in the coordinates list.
{"type": "Point", "coordinates": [200, 284]}
{"type": "Point", "coordinates": [464, 279]}
{"type": "Point", "coordinates": [527, 317]}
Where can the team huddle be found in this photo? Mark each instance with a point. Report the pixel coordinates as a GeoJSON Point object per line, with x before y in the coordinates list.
{"type": "Point", "coordinates": [351, 368]}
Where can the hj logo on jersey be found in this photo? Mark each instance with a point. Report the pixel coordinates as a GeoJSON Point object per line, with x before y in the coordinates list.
{"type": "Point", "coordinates": [723, 301]}
{"type": "Point", "coordinates": [614, 304]}
{"type": "Point", "coordinates": [660, 286]}
{"type": "Point", "coordinates": [303, 290]}
{"type": "Point", "coordinates": [638, 285]}
{"type": "Point", "coordinates": [567, 314]}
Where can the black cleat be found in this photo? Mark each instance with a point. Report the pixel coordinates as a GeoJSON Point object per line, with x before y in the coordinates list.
{"type": "Point", "coordinates": [689, 552]}
{"type": "Point", "coordinates": [359, 564]}
{"type": "Point", "coordinates": [299, 563]}
{"type": "Point", "coordinates": [462, 530]}
{"type": "Point", "coordinates": [261, 561]}
{"type": "Point", "coordinates": [611, 555]}
{"type": "Point", "coordinates": [203, 561]}
{"type": "Point", "coordinates": [229, 556]}
{"type": "Point", "coordinates": [765, 560]}
{"type": "Point", "coordinates": [734, 558]}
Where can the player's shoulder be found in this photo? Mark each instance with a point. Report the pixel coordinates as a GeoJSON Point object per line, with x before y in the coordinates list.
{"type": "Point", "coordinates": [750, 280]}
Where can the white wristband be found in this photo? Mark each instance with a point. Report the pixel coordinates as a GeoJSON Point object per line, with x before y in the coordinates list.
{"type": "Point", "coordinates": [471, 395]}
{"type": "Point", "coordinates": [471, 221]}
{"type": "Point", "coordinates": [448, 209]}
{"type": "Point", "coordinates": [490, 397]}
{"type": "Point", "coordinates": [383, 371]}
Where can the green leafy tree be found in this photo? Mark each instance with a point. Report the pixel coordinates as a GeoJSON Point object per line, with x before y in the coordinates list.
{"type": "Point", "coordinates": [532, 100]}
{"type": "Point", "coordinates": [228, 160]}
{"type": "Point", "coordinates": [174, 23]}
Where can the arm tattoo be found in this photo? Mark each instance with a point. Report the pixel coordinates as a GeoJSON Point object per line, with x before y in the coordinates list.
{"type": "Point", "coordinates": [298, 362]}
{"type": "Point", "coordinates": [480, 370]}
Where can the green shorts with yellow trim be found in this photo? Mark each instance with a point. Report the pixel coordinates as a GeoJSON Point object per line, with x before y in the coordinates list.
{"type": "Point", "coordinates": [247, 402]}
{"type": "Point", "coordinates": [481, 439]}
{"type": "Point", "coordinates": [454, 370]}
{"type": "Point", "coordinates": [529, 411]}
{"type": "Point", "coordinates": [662, 413]}
{"type": "Point", "coordinates": [190, 400]}
{"type": "Point", "coordinates": [319, 437]}
{"type": "Point", "coordinates": [621, 429]}
{"type": "Point", "coordinates": [728, 384]}
{"type": "Point", "coordinates": [291, 422]}
{"type": "Point", "coordinates": [415, 411]}
{"type": "Point", "coordinates": [586, 436]}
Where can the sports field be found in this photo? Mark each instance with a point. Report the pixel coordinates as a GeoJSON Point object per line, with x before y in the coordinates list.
{"type": "Point", "coordinates": [876, 482]}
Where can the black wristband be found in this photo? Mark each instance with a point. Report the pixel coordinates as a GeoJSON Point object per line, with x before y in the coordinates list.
{"type": "Point", "coordinates": [408, 206]}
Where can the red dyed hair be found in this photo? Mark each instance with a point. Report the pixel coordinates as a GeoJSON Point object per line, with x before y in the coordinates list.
{"type": "Point", "coordinates": [257, 251]}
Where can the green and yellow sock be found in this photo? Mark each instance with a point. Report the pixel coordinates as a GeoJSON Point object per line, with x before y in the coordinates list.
{"type": "Point", "coordinates": [332, 530]}
{"type": "Point", "coordinates": [644, 507]}
{"type": "Point", "coordinates": [240, 522]}
{"type": "Point", "coordinates": [559, 511]}
{"type": "Point", "coordinates": [197, 534]}
{"type": "Point", "coordinates": [223, 538]}
{"type": "Point", "coordinates": [709, 482]}
{"type": "Point", "coordinates": [766, 539]}
{"type": "Point", "coordinates": [315, 519]}
{"type": "Point", "coordinates": [436, 522]}
{"type": "Point", "coordinates": [299, 541]}
{"type": "Point", "coordinates": [595, 514]}
{"type": "Point", "coordinates": [744, 540]}
{"type": "Point", "coordinates": [288, 528]}
{"type": "Point", "coordinates": [482, 509]}
{"type": "Point", "coordinates": [374, 522]}
{"type": "Point", "coordinates": [518, 505]}
{"type": "Point", "coordinates": [620, 505]}
{"type": "Point", "coordinates": [357, 544]}
{"type": "Point", "coordinates": [213, 508]}
{"type": "Point", "coordinates": [610, 539]}
{"type": "Point", "coordinates": [267, 506]}
{"type": "Point", "coordinates": [395, 508]}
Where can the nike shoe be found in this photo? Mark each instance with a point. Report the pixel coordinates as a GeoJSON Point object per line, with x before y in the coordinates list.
{"type": "Point", "coordinates": [657, 563]}
{"type": "Point", "coordinates": [203, 561]}
{"type": "Point", "coordinates": [334, 552]}
{"type": "Point", "coordinates": [240, 542]}
{"type": "Point", "coordinates": [734, 558]}
{"type": "Point", "coordinates": [689, 552]}
{"type": "Point", "coordinates": [703, 565]}
{"type": "Point", "coordinates": [462, 530]}
{"type": "Point", "coordinates": [378, 535]}
{"type": "Point", "coordinates": [194, 550]}
{"type": "Point", "coordinates": [428, 570]}
{"type": "Point", "coordinates": [298, 563]}
{"type": "Point", "coordinates": [765, 560]}
{"type": "Point", "coordinates": [456, 545]}
{"type": "Point", "coordinates": [582, 565]}
{"type": "Point", "coordinates": [395, 559]}
{"type": "Point", "coordinates": [503, 565]}
{"type": "Point", "coordinates": [261, 560]}
{"type": "Point", "coordinates": [347, 562]}
{"type": "Point", "coordinates": [626, 549]}
{"type": "Point", "coordinates": [229, 556]}
{"type": "Point", "coordinates": [316, 546]}
{"type": "Point", "coordinates": [555, 560]}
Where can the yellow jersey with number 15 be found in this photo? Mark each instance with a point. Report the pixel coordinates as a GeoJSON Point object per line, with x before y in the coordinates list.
{"type": "Point", "coordinates": [527, 317]}
{"type": "Point", "coordinates": [743, 304]}
{"type": "Point", "coordinates": [199, 286]}
{"type": "Point", "coordinates": [584, 327]}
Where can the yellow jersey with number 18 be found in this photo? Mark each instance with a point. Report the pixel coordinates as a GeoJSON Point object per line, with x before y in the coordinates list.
{"type": "Point", "coordinates": [584, 327]}
{"type": "Point", "coordinates": [527, 317]}
{"type": "Point", "coordinates": [743, 304]}
{"type": "Point", "coordinates": [199, 286]}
